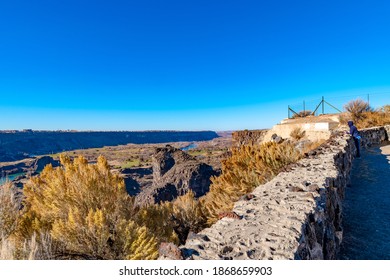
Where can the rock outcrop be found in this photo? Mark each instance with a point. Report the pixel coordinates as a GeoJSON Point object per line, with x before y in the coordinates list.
{"type": "Point", "coordinates": [40, 163]}
{"type": "Point", "coordinates": [174, 174]}
{"type": "Point", "coordinates": [248, 137]}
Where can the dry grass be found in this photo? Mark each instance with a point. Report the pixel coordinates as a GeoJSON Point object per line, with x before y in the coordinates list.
{"type": "Point", "coordinates": [385, 109]}
{"type": "Point", "coordinates": [297, 133]}
{"type": "Point", "coordinates": [302, 114]}
{"type": "Point", "coordinates": [371, 119]}
{"type": "Point", "coordinates": [10, 203]}
{"type": "Point", "coordinates": [363, 116]}
{"type": "Point", "coordinates": [247, 168]}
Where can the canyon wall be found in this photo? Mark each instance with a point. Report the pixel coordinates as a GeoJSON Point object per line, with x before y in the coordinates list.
{"type": "Point", "coordinates": [17, 145]}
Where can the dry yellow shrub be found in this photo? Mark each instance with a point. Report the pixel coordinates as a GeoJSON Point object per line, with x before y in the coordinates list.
{"type": "Point", "coordinates": [187, 215]}
{"type": "Point", "coordinates": [187, 212]}
{"type": "Point", "coordinates": [297, 133]}
{"type": "Point", "coordinates": [158, 218]}
{"type": "Point", "coordinates": [371, 119]}
{"type": "Point", "coordinates": [248, 167]}
{"type": "Point", "coordinates": [363, 116]}
{"type": "Point", "coordinates": [86, 210]}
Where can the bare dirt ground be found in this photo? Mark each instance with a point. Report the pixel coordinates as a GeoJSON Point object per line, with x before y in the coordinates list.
{"type": "Point", "coordinates": [314, 119]}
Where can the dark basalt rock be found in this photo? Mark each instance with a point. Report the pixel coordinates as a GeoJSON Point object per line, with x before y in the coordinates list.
{"type": "Point", "coordinates": [174, 174]}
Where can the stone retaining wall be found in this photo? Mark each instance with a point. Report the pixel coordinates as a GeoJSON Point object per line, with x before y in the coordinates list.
{"type": "Point", "coordinates": [375, 135]}
{"type": "Point", "coordinates": [297, 215]}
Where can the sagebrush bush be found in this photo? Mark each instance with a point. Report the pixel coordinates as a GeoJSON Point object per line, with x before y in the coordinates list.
{"type": "Point", "coordinates": [364, 116]}
{"type": "Point", "coordinates": [297, 133]}
{"type": "Point", "coordinates": [158, 218]}
{"type": "Point", "coordinates": [371, 119]}
{"type": "Point", "coordinates": [187, 215]}
{"type": "Point", "coordinates": [87, 212]}
{"type": "Point", "coordinates": [248, 167]}
{"type": "Point", "coordinates": [356, 108]}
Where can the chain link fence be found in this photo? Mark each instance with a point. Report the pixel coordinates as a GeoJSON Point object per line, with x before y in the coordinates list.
{"type": "Point", "coordinates": [323, 105]}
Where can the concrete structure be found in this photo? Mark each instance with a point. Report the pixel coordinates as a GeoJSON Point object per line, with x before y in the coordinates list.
{"type": "Point", "coordinates": [314, 131]}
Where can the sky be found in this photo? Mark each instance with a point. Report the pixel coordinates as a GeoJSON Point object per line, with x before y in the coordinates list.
{"type": "Point", "coordinates": [186, 65]}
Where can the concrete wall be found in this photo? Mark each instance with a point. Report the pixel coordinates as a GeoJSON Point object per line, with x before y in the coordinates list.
{"type": "Point", "coordinates": [297, 215]}
{"type": "Point", "coordinates": [313, 131]}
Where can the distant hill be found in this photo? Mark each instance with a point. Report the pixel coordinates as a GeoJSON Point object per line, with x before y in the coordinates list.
{"type": "Point", "coordinates": [16, 145]}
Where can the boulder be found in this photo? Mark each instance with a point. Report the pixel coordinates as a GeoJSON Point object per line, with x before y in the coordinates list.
{"type": "Point", "coordinates": [277, 139]}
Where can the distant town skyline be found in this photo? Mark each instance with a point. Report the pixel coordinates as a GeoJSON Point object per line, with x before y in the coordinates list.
{"type": "Point", "coordinates": [185, 65]}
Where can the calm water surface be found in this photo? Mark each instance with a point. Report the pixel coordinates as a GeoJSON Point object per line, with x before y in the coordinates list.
{"type": "Point", "coordinates": [10, 177]}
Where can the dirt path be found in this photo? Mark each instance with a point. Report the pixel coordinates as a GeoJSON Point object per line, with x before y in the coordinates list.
{"type": "Point", "coordinates": [367, 207]}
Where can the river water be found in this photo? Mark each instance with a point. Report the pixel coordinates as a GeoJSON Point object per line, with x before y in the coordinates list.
{"type": "Point", "coordinates": [10, 177]}
{"type": "Point", "coordinates": [366, 219]}
{"type": "Point", "coordinates": [189, 147]}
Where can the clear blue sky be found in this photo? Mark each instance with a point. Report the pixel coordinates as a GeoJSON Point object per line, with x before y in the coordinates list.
{"type": "Point", "coordinates": [185, 65]}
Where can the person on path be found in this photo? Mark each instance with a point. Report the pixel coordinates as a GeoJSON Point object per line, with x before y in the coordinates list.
{"type": "Point", "coordinates": [356, 137]}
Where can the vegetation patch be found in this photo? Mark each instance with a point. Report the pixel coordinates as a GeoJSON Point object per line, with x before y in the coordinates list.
{"type": "Point", "coordinates": [131, 163]}
{"type": "Point", "coordinates": [248, 167]}
{"type": "Point", "coordinates": [364, 116]}
{"type": "Point", "coordinates": [297, 133]}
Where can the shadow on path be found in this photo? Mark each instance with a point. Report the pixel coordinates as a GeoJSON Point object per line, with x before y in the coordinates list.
{"type": "Point", "coordinates": [366, 218]}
